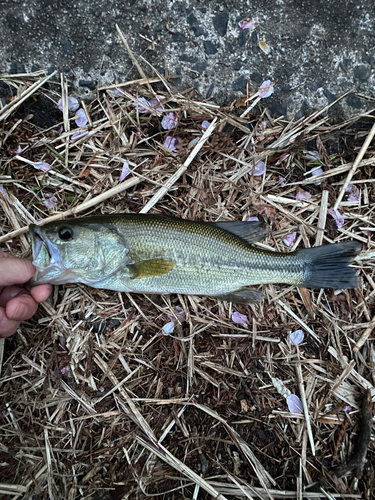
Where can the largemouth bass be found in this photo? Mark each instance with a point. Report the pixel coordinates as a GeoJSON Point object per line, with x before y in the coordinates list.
{"type": "Point", "coordinates": [161, 254]}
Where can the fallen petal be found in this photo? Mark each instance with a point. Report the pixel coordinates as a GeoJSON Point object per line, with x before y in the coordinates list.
{"type": "Point", "coordinates": [180, 313]}
{"type": "Point", "coordinates": [294, 404]}
{"type": "Point", "coordinates": [340, 219]}
{"type": "Point", "coordinates": [193, 142]}
{"type": "Point", "coordinates": [117, 92]}
{"type": "Point", "coordinates": [139, 107]}
{"type": "Point", "coordinates": [171, 143]}
{"type": "Point", "coordinates": [347, 408]}
{"type": "Point", "coordinates": [78, 135]}
{"type": "Point", "coordinates": [168, 328]}
{"type": "Point", "coordinates": [283, 158]}
{"type": "Point", "coordinates": [155, 103]}
{"type": "Point", "coordinates": [205, 124]}
{"type": "Point", "coordinates": [240, 318]}
{"type": "Point", "coordinates": [264, 47]}
{"type": "Point", "coordinates": [169, 121]}
{"type": "Point", "coordinates": [303, 195]}
{"type": "Point", "coordinates": [266, 89]}
{"type": "Point", "coordinates": [282, 181]}
{"type": "Point", "coordinates": [250, 219]}
{"type": "Point", "coordinates": [313, 155]}
{"type": "Point", "coordinates": [354, 192]}
{"type": "Point", "coordinates": [41, 165]}
{"type": "Point", "coordinates": [81, 118]}
{"type": "Point", "coordinates": [125, 171]}
{"type": "Point", "coordinates": [259, 169]}
{"type": "Point", "coordinates": [249, 23]}
{"type": "Point", "coordinates": [50, 200]}
{"type": "Point", "coordinates": [17, 151]}
{"type": "Point", "coordinates": [296, 337]}
{"type": "Point", "coordinates": [317, 171]}
{"type": "Point", "coordinates": [290, 239]}
{"type": "Point", "coordinates": [73, 104]}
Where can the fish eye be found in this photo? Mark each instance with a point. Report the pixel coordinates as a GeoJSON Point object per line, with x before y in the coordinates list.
{"type": "Point", "coordinates": [66, 233]}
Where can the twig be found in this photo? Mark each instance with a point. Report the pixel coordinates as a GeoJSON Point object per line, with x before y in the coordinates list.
{"type": "Point", "coordinates": [162, 191]}
{"type": "Point", "coordinates": [357, 161]}
{"type": "Point", "coordinates": [72, 211]}
{"type": "Point", "coordinates": [357, 462]}
{"type": "Point", "coordinates": [365, 335]}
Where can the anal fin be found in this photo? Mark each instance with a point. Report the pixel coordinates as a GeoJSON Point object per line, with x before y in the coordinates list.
{"type": "Point", "coordinates": [245, 295]}
{"type": "Point", "coordinates": [151, 268]}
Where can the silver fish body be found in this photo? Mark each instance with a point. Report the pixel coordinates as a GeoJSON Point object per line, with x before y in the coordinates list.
{"type": "Point", "coordinates": [158, 254]}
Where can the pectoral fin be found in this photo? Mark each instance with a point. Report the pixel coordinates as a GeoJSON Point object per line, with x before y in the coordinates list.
{"type": "Point", "coordinates": [151, 268]}
{"type": "Point", "coordinates": [251, 231]}
{"type": "Point", "coordinates": [242, 296]}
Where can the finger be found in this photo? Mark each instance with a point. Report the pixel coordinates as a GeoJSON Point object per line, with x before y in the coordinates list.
{"type": "Point", "coordinates": [7, 326]}
{"type": "Point", "coordinates": [9, 292]}
{"type": "Point", "coordinates": [14, 271]}
{"type": "Point", "coordinates": [40, 293]}
{"type": "Point", "coordinates": [21, 307]}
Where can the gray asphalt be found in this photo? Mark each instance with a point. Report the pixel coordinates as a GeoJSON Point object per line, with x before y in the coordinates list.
{"type": "Point", "coordinates": [319, 49]}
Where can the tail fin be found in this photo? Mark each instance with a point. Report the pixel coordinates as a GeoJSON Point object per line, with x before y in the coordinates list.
{"type": "Point", "coordinates": [328, 266]}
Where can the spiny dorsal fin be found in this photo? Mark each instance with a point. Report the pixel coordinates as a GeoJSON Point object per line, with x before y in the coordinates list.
{"type": "Point", "coordinates": [250, 231]}
{"type": "Point", "coordinates": [151, 268]}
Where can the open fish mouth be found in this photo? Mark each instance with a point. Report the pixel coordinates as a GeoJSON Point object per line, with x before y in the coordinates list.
{"type": "Point", "coordinates": [45, 256]}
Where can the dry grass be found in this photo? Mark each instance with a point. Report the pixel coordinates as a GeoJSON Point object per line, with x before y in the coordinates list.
{"type": "Point", "coordinates": [96, 402]}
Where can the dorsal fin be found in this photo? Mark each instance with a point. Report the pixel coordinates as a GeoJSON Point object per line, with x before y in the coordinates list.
{"type": "Point", "coordinates": [250, 231]}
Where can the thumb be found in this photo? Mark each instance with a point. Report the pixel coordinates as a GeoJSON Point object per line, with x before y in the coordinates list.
{"type": "Point", "coordinates": [15, 271]}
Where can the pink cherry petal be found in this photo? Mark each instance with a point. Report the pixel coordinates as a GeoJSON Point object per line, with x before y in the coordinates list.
{"type": "Point", "coordinates": [155, 103]}
{"type": "Point", "coordinates": [125, 171]}
{"type": "Point", "coordinates": [168, 328]}
{"type": "Point", "coordinates": [339, 218]}
{"type": "Point", "coordinates": [171, 143]}
{"type": "Point", "coordinates": [50, 200]}
{"type": "Point", "coordinates": [290, 239]}
{"type": "Point", "coordinates": [266, 89]}
{"type": "Point", "coordinates": [353, 191]}
{"type": "Point", "coordinates": [139, 106]}
{"type": "Point", "coordinates": [294, 404]}
{"type": "Point", "coordinates": [259, 169]}
{"type": "Point", "coordinates": [81, 118]}
{"type": "Point", "coordinates": [240, 318]}
{"type": "Point", "coordinates": [248, 23]}
{"type": "Point", "coordinates": [296, 337]}
{"type": "Point", "coordinates": [303, 195]}
{"type": "Point", "coordinates": [78, 135]}
{"type": "Point", "coordinates": [41, 165]}
{"type": "Point", "coordinates": [313, 155]}
{"type": "Point", "coordinates": [73, 104]}
{"type": "Point", "coordinates": [282, 181]}
{"type": "Point", "coordinates": [17, 151]}
{"type": "Point", "coordinates": [250, 219]}
{"type": "Point", "coordinates": [169, 121]}
{"type": "Point", "coordinates": [117, 92]}
{"type": "Point", "coordinates": [283, 158]}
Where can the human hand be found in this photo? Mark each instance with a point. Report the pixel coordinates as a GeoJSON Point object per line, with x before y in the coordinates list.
{"type": "Point", "coordinates": [17, 301]}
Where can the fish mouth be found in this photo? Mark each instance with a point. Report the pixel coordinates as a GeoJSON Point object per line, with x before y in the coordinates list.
{"type": "Point", "coordinates": [45, 256]}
